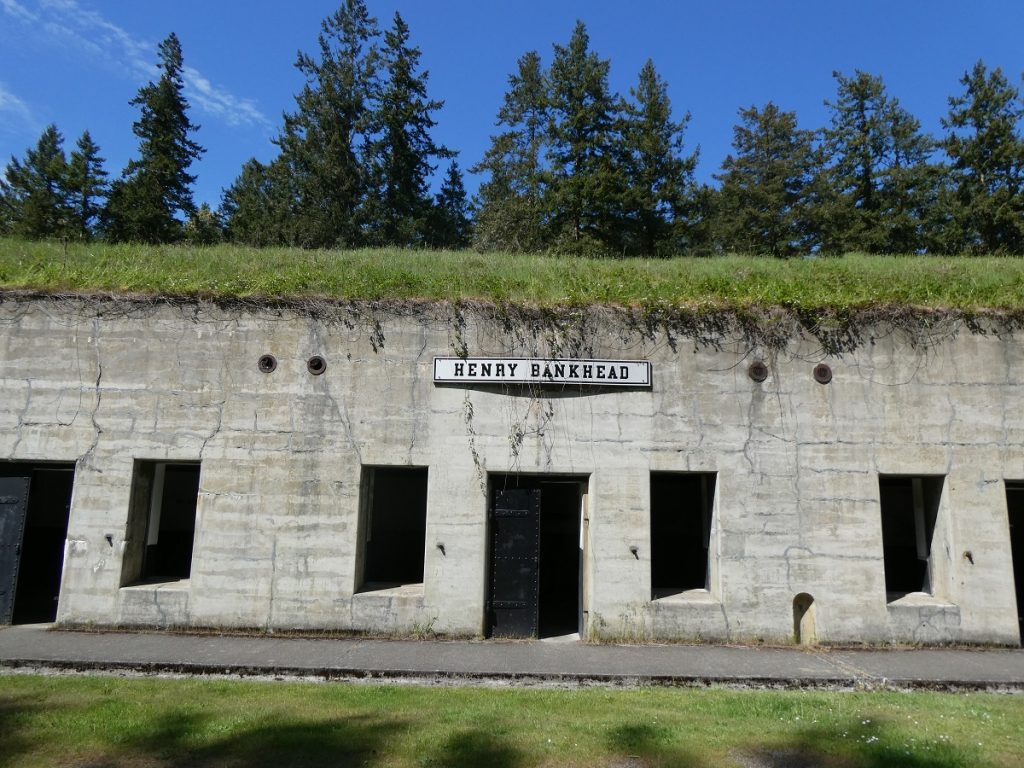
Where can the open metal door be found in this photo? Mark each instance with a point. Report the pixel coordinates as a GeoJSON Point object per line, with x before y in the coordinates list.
{"type": "Point", "coordinates": [513, 602]}
{"type": "Point", "coordinates": [13, 508]}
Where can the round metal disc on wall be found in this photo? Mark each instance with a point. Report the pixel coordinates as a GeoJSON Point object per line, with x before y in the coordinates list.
{"type": "Point", "coordinates": [822, 373]}
{"type": "Point", "coordinates": [757, 371]}
{"type": "Point", "coordinates": [267, 363]}
{"type": "Point", "coordinates": [316, 365]}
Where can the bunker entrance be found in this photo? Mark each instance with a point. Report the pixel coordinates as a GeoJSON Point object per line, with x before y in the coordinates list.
{"type": "Point", "coordinates": [1015, 508]}
{"type": "Point", "coordinates": [537, 556]}
{"type": "Point", "coordinates": [35, 500]}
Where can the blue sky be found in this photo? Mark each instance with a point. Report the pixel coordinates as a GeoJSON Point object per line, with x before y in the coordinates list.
{"type": "Point", "coordinates": [77, 63]}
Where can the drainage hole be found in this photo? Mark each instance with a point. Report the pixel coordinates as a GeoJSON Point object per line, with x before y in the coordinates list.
{"type": "Point", "coordinates": [316, 365]}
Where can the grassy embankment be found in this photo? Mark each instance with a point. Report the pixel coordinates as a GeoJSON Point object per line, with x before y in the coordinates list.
{"type": "Point", "coordinates": [153, 722]}
{"type": "Point", "coordinates": [848, 283]}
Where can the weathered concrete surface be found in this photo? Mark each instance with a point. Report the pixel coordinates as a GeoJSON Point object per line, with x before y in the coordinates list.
{"type": "Point", "coordinates": [518, 662]}
{"type": "Point", "coordinates": [277, 541]}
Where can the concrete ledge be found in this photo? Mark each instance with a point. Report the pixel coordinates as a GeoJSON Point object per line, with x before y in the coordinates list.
{"type": "Point", "coordinates": [164, 604]}
{"type": "Point", "coordinates": [924, 618]}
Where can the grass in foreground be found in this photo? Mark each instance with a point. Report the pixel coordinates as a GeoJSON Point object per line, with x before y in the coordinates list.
{"type": "Point", "coordinates": [850, 282]}
{"type": "Point", "coordinates": [46, 721]}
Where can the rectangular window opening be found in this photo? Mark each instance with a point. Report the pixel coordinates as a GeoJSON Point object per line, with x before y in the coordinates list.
{"type": "Point", "coordinates": [910, 506]}
{"type": "Point", "coordinates": [681, 504]}
{"type": "Point", "coordinates": [162, 521]}
{"type": "Point", "coordinates": [394, 526]}
{"type": "Point", "coordinates": [1015, 513]}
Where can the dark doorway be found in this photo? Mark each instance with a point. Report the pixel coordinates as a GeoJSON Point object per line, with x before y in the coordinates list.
{"type": "Point", "coordinates": [536, 556]}
{"type": "Point", "coordinates": [35, 500]}
{"type": "Point", "coordinates": [1015, 508]}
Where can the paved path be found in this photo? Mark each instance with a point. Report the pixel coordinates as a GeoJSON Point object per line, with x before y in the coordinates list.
{"type": "Point", "coordinates": [563, 662]}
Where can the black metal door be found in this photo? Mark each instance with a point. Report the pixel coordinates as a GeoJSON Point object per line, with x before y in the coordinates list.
{"type": "Point", "coordinates": [515, 562]}
{"type": "Point", "coordinates": [13, 506]}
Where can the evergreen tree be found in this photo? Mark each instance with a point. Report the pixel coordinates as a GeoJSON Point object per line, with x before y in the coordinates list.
{"type": "Point", "coordinates": [204, 227]}
{"type": "Point", "coordinates": [661, 185]}
{"type": "Point", "coordinates": [877, 170]}
{"type": "Point", "coordinates": [987, 162]}
{"type": "Point", "coordinates": [322, 141]}
{"type": "Point", "coordinates": [402, 150]}
{"type": "Point", "coordinates": [260, 207]}
{"type": "Point", "coordinates": [510, 210]}
{"type": "Point", "coordinates": [450, 223]}
{"type": "Point", "coordinates": [7, 208]}
{"type": "Point", "coordinates": [36, 194]}
{"type": "Point", "coordinates": [587, 187]}
{"type": "Point", "coordinates": [86, 186]}
{"type": "Point", "coordinates": [144, 203]}
{"type": "Point", "coordinates": [762, 206]}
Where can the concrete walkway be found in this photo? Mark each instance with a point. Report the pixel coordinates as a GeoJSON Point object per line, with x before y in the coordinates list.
{"type": "Point", "coordinates": [495, 662]}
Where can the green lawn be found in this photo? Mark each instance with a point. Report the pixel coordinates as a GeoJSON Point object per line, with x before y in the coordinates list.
{"type": "Point", "coordinates": [95, 721]}
{"type": "Point", "coordinates": [849, 282]}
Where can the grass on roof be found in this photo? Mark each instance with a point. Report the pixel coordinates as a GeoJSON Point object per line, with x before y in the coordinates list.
{"type": "Point", "coordinates": [854, 281]}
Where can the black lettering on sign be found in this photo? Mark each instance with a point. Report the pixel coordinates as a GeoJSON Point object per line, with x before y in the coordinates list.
{"type": "Point", "coordinates": [512, 368]}
{"type": "Point", "coordinates": [560, 370]}
{"type": "Point", "coordinates": [574, 371]}
{"type": "Point", "coordinates": [600, 371]}
{"type": "Point", "coordinates": [588, 371]}
{"type": "Point", "coordinates": [460, 369]}
{"type": "Point", "coordinates": [485, 369]}
{"type": "Point", "coordinates": [624, 372]}
{"type": "Point", "coordinates": [499, 369]}
{"type": "Point", "coordinates": [611, 372]}
{"type": "Point", "coordinates": [534, 370]}
{"type": "Point", "coordinates": [472, 369]}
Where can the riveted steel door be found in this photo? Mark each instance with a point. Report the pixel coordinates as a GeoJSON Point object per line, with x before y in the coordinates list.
{"type": "Point", "coordinates": [13, 506]}
{"type": "Point", "coordinates": [515, 562]}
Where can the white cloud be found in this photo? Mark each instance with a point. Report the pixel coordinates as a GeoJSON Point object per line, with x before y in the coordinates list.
{"type": "Point", "coordinates": [14, 109]}
{"type": "Point", "coordinates": [67, 23]}
{"type": "Point", "coordinates": [18, 11]}
{"type": "Point", "coordinates": [218, 102]}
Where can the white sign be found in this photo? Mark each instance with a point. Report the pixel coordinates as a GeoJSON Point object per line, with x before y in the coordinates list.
{"type": "Point", "coordinates": [506, 370]}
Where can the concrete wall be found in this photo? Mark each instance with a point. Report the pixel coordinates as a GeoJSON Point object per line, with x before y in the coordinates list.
{"type": "Point", "coordinates": [105, 383]}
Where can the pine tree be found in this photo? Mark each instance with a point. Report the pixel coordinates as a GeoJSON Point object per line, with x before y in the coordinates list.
{"type": "Point", "coordinates": [86, 186]}
{"type": "Point", "coordinates": [877, 158]}
{"type": "Point", "coordinates": [450, 222]}
{"type": "Point", "coordinates": [322, 141]}
{"type": "Point", "coordinates": [661, 184]}
{"type": "Point", "coordinates": [145, 202]}
{"type": "Point", "coordinates": [510, 210]}
{"type": "Point", "coordinates": [762, 206]}
{"type": "Point", "coordinates": [587, 187]}
{"type": "Point", "coordinates": [401, 153]}
{"type": "Point", "coordinates": [260, 206]}
{"type": "Point", "coordinates": [204, 227]}
{"type": "Point", "coordinates": [36, 193]}
{"type": "Point", "coordinates": [987, 162]}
